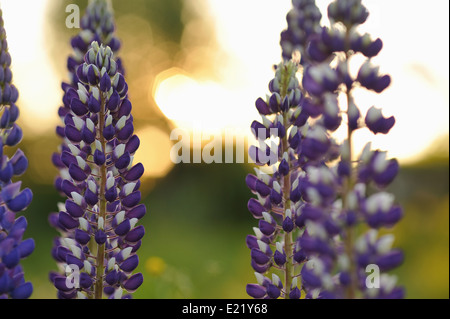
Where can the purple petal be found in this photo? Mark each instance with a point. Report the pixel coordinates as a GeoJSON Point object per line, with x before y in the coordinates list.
{"type": "Point", "coordinates": [135, 173]}
{"type": "Point", "coordinates": [90, 197]}
{"type": "Point", "coordinates": [132, 145]}
{"type": "Point", "coordinates": [87, 136]}
{"type": "Point", "coordinates": [26, 247]}
{"type": "Point", "coordinates": [381, 83]}
{"type": "Point", "coordinates": [112, 277]}
{"type": "Point", "coordinates": [125, 132]}
{"type": "Point", "coordinates": [255, 291]}
{"type": "Point", "coordinates": [288, 225]}
{"type": "Point", "coordinates": [73, 209]}
{"type": "Point", "coordinates": [273, 291]}
{"type": "Point", "coordinates": [259, 268]}
{"type": "Point", "coordinates": [279, 258]}
{"type": "Point", "coordinates": [295, 293]}
{"type": "Point", "coordinates": [123, 228]}
{"type": "Point", "coordinates": [137, 212]}
{"type": "Point", "coordinates": [93, 104]}
{"type": "Point", "coordinates": [259, 257]}
{"type": "Point", "coordinates": [23, 291]}
{"type": "Point", "coordinates": [262, 107]}
{"type": "Point", "coordinates": [21, 201]}
{"type": "Point", "coordinates": [11, 259]}
{"type": "Point", "coordinates": [113, 101]}
{"type": "Point", "coordinates": [105, 82]}
{"type": "Point", "coordinates": [85, 280]}
{"type": "Point", "coordinates": [67, 221]}
{"type": "Point", "coordinates": [255, 208]}
{"type": "Point", "coordinates": [125, 108]}
{"type": "Point", "coordinates": [310, 278]}
{"type": "Point", "coordinates": [100, 237]}
{"type": "Point", "coordinates": [60, 283]}
{"type": "Point", "coordinates": [132, 200]}
{"type": "Point", "coordinates": [135, 234]}
{"type": "Point", "coordinates": [109, 132]}
{"type": "Point", "coordinates": [99, 157]}
{"type": "Point", "coordinates": [134, 282]}
{"type": "Point", "coordinates": [72, 133]}
{"type": "Point", "coordinates": [72, 260]}
{"type": "Point", "coordinates": [82, 237]}
{"type": "Point", "coordinates": [123, 161]}
{"type": "Point", "coordinates": [265, 227]}
{"type": "Point", "coordinates": [68, 187]}
{"type": "Point", "coordinates": [78, 107]}
{"type": "Point", "coordinates": [130, 263]}
{"type": "Point", "coordinates": [77, 173]}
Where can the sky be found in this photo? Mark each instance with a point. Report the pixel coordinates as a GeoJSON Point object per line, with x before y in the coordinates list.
{"type": "Point", "coordinates": [415, 54]}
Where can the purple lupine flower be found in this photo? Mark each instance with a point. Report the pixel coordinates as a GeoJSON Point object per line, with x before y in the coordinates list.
{"type": "Point", "coordinates": [303, 21]}
{"type": "Point", "coordinates": [98, 222]}
{"type": "Point", "coordinates": [13, 199]}
{"type": "Point", "coordinates": [279, 196]}
{"type": "Point", "coordinates": [97, 24]}
{"type": "Point", "coordinates": [339, 196]}
{"type": "Point", "coordinates": [273, 245]}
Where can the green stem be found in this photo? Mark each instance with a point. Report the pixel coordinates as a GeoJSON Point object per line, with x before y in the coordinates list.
{"type": "Point", "coordinates": [348, 187]}
{"type": "Point", "coordinates": [289, 265]}
{"type": "Point", "coordinates": [349, 184]}
{"type": "Point", "coordinates": [102, 213]}
{"type": "Point", "coordinates": [288, 247]}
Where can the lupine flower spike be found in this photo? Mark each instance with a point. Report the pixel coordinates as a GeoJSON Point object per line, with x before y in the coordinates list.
{"type": "Point", "coordinates": [98, 222]}
{"type": "Point", "coordinates": [13, 200]}
{"type": "Point", "coordinates": [344, 198]}
{"type": "Point", "coordinates": [275, 249]}
{"type": "Point", "coordinates": [97, 24]}
{"type": "Point", "coordinates": [275, 256]}
{"type": "Point", "coordinates": [310, 208]}
{"type": "Point", "coordinates": [303, 22]}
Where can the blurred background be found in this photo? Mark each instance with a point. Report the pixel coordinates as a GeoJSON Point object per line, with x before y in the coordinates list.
{"type": "Point", "coordinates": [201, 65]}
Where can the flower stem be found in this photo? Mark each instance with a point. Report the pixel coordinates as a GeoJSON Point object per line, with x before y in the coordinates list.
{"type": "Point", "coordinates": [349, 184]}
{"type": "Point", "coordinates": [102, 212]}
{"type": "Point", "coordinates": [352, 287]}
{"type": "Point", "coordinates": [289, 267]}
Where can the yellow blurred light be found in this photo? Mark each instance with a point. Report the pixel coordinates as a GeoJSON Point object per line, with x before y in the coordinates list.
{"type": "Point", "coordinates": [155, 265]}
{"type": "Point", "coordinates": [192, 104]}
{"type": "Point", "coordinates": [154, 152]}
{"type": "Point", "coordinates": [34, 77]}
